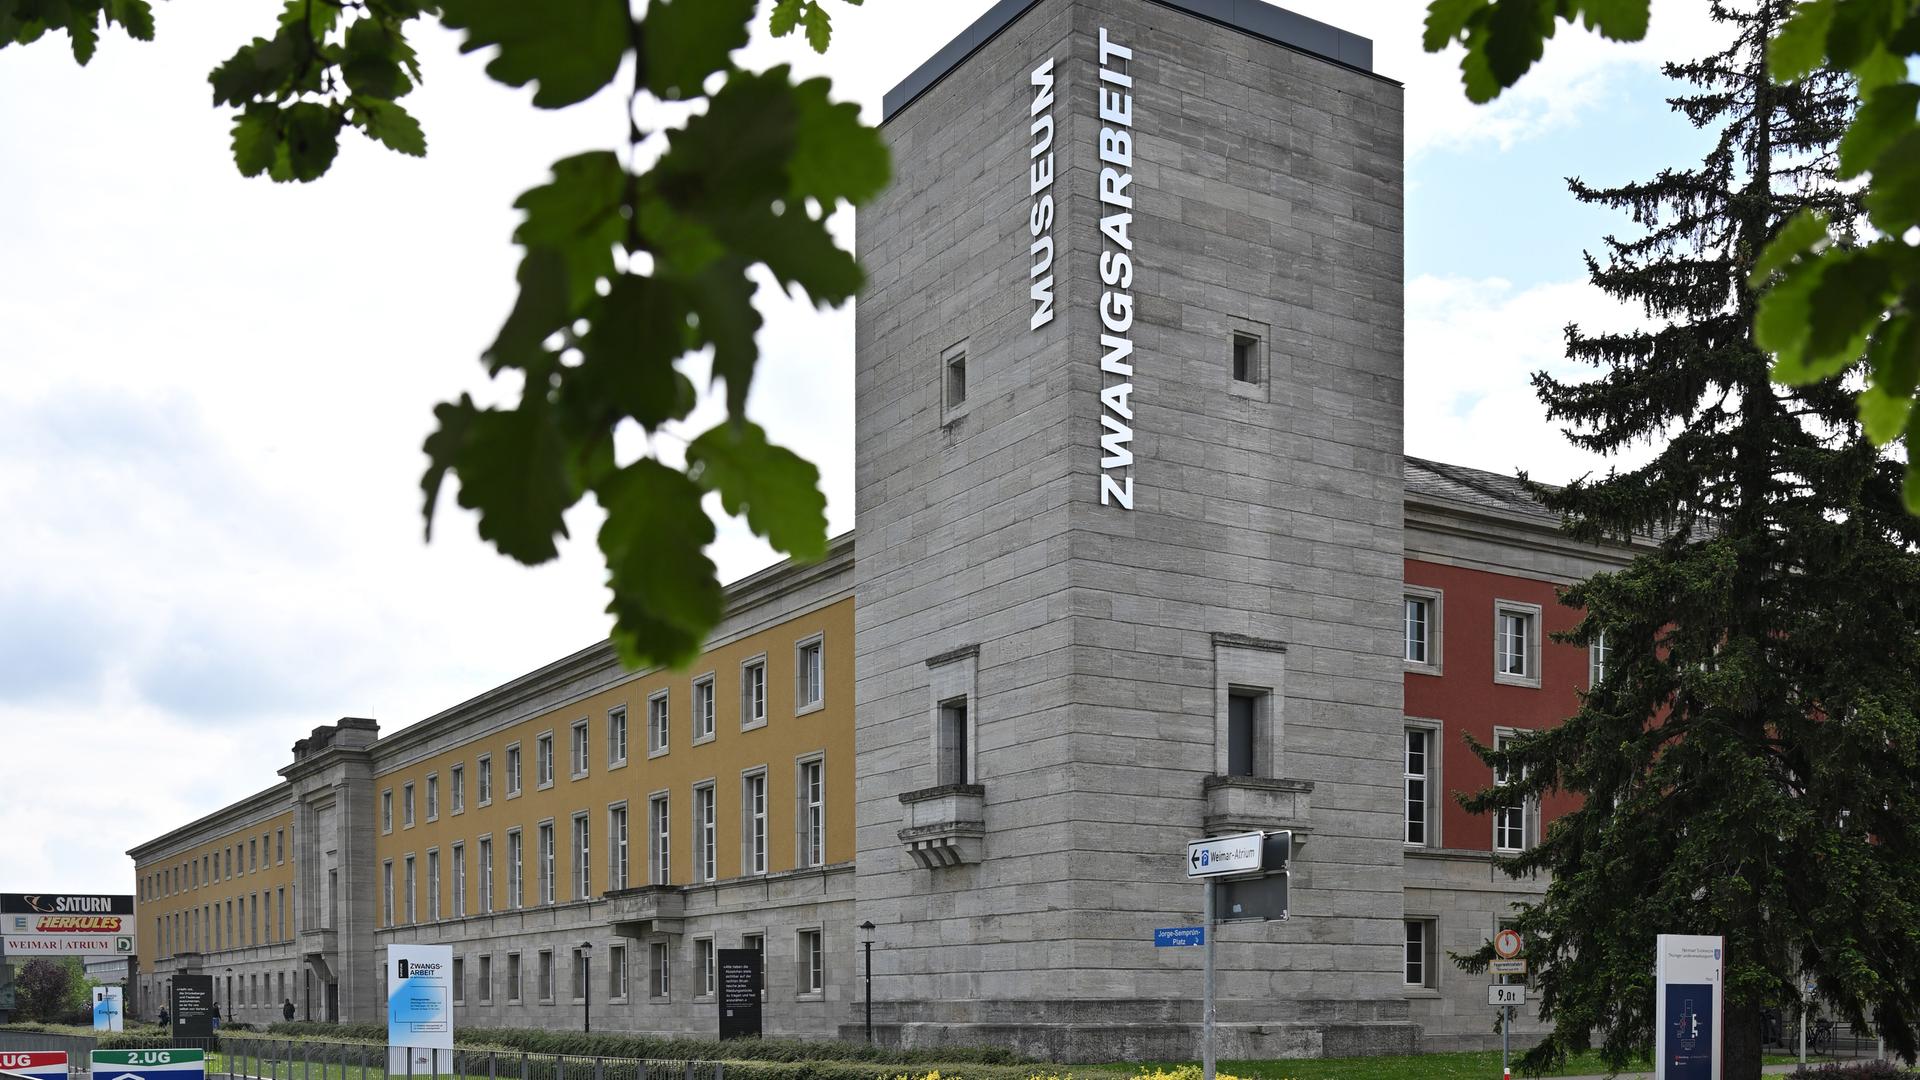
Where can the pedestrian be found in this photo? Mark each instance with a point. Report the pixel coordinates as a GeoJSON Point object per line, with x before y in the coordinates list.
{"type": "Point", "coordinates": [286, 1009]}
{"type": "Point", "coordinates": [166, 1018]}
{"type": "Point", "coordinates": [214, 1015]}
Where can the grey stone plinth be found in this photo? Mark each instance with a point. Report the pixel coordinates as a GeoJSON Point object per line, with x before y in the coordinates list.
{"type": "Point", "coordinates": [945, 825]}
{"type": "Point", "coordinates": [651, 909]}
{"type": "Point", "coordinates": [1249, 803]}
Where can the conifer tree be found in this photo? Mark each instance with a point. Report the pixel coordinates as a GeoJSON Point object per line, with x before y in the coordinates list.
{"type": "Point", "coordinates": [1747, 763]}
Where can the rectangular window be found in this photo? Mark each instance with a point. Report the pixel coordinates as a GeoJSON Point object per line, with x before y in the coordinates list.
{"type": "Point", "coordinates": [1243, 718]}
{"type": "Point", "coordinates": [662, 970]}
{"type": "Point", "coordinates": [1420, 953]}
{"type": "Point", "coordinates": [617, 736]}
{"type": "Point", "coordinates": [386, 893]}
{"type": "Point", "coordinates": [457, 788]}
{"type": "Point", "coordinates": [543, 760]}
{"type": "Point", "coordinates": [703, 709]}
{"type": "Point", "coordinates": [617, 866]}
{"type": "Point", "coordinates": [808, 687]}
{"type": "Point", "coordinates": [657, 724]}
{"type": "Point", "coordinates": [280, 902]}
{"type": "Point", "coordinates": [406, 805]}
{"type": "Point", "coordinates": [579, 748]}
{"type": "Point", "coordinates": [516, 852]}
{"type": "Point", "coordinates": [1419, 629]}
{"type": "Point", "coordinates": [433, 885]}
{"type": "Point", "coordinates": [813, 813]}
{"type": "Point", "coordinates": [1418, 785]}
{"type": "Point", "coordinates": [753, 693]}
{"type": "Point", "coordinates": [1597, 659]}
{"type": "Point", "coordinates": [412, 888]}
{"type": "Point", "coordinates": [486, 980]}
{"type": "Point", "coordinates": [704, 832]}
{"type": "Point", "coordinates": [758, 943]}
{"type": "Point", "coordinates": [513, 771]}
{"type": "Point", "coordinates": [386, 810]}
{"type": "Point", "coordinates": [617, 972]}
{"type": "Point", "coordinates": [1513, 820]}
{"type": "Point", "coordinates": [486, 876]}
{"type": "Point", "coordinates": [483, 779]}
{"type": "Point", "coordinates": [253, 855]}
{"type": "Point", "coordinates": [546, 974]}
{"type": "Point", "coordinates": [956, 380]}
{"type": "Point", "coordinates": [812, 963]}
{"type": "Point", "coordinates": [459, 881]}
{"type": "Point", "coordinates": [659, 828]}
{"type": "Point", "coordinates": [703, 967]}
{"type": "Point", "coordinates": [513, 976]}
{"type": "Point", "coordinates": [1246, 358]}
{"type": "Point", "coordinates": [459, 980]}
{"type": "Point", "coordinates": [1516, 643]}
{"type": "Point", "coordinates": [545, 869]}
{"type": "Point", "coordinates": [582, 857]}
{"type": "Point", "coordinates": [279, 846]}
{"type": "Point", "coordinates": [951, 768]}
{"type": "Point", "coordinates": [433, 798]}
{"type": "Point", "coordinates": [753, 799]}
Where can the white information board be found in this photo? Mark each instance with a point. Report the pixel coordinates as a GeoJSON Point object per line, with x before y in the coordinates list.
{"type": "Point", "coordinates": [1689, 975]}
{"type": "Point", "coordinates": [420, 1009]}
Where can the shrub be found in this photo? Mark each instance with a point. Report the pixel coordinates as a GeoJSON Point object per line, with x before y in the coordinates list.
{"type": "Point", "coordinates": [665, 1048]}
{"type": "Point", "coordinates": [1863, 1070]}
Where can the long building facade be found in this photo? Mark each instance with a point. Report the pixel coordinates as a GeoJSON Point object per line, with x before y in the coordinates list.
{"type": "Point", "coordinates": [1139, 559]}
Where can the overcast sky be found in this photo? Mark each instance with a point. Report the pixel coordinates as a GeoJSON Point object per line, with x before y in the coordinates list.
{"type": "Point", "coordinates": [213, 390]}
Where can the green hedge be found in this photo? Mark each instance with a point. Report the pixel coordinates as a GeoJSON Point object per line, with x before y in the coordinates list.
{"type": "Point", "coordinates": [657, 1048]}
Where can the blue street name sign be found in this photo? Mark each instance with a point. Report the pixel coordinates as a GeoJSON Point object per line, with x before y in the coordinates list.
{"type": "Point", "coordinates": [1179, 935]}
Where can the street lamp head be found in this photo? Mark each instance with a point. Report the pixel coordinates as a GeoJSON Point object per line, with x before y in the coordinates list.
{"type": "Point", "coordinates": [866, 930]}
{"type": "Point", "coordinates": [586, 945]}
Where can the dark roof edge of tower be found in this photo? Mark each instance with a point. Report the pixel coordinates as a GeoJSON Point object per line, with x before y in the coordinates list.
{"type": "Point", "coordinates": [1255, 17]}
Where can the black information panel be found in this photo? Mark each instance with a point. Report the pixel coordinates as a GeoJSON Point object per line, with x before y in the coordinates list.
{"type": "Point", "coordinates": [739, 993]}
{"type": "Point", "coordinates": [192, 1007]}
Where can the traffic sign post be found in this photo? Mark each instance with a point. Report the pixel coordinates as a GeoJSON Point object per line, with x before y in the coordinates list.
{"type": "Point", "coordinates": [36, 1064]}
{"type": "Point", "coordinates": [1504, 996]}
{"type": "Point", "coordinates": [173, 1064]}
{"type": "Point", "coordinates": [1245, 861]}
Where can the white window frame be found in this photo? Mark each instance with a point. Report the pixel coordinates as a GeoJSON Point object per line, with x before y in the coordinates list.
{"type": "Point", "coordinates": [701, 713]}
{"type": "Point", "coordinates": [1436, 602]}
{"type": "Point", "coordinates": [485, 895]}
{"type": "Point", "coordinates": [810, 962]}
{"type": "Point", "coordinates": [1428, 931]}
{"type": "Point", "coordinates": [433, 796]}
{"type": "Point", "coordinates": [514, 770]}
{"type": "Point", "coordinates": [386, 893]}
{"type": "Point", "coordinates": [950, 408]}
{"type": "Point", "coordinates": [1531, 612]}
{"type": "Point", "coordinates": [544, 976]}
{"type": "Point", "coordinates": [660, 838]}
{"type": "Point", "coordinates": [660, 971]}
{"type": "Point", "coordinates": [619, 846]}
{"type": "Point", "coordinates": [413, 890]}
{"type": "Point", "coordinates": [516, 979]}
{"type": "Point", "coordinates": [617, 733]}
{"type": "Point", "coordinates": [547, 839]}
{"type": "Point", "coordinates": [756, 939]}
{"type": "Point", "coordinates": [543, 767]}
{"type": "Point", "coordinates": [433, 884]}
{"type": "Point", "coordinates": [483, 780]}
{"type": "Point", "coordinates": [516, 868]}
{"type": "Point", "coordinates": [580, 749]}
{"type": "Point", "coordinates": [580, 838]}
{"type": "Point", "coordinates": [485, 982]}
{"type": "Point", "coordinates": [810, 674]}
{"type": "Point", "coordinates": [457, 789]}
{"type": "Point", "coordinates": [749, 698]}
{"type": "Point", "coordinates": [617, 985]}
{"type": "Point", "coordinates": [1432, 730]}
{"type": "Point", "coordinates": [755, 837]}
{"type": "Point", "coordinates": [1599, 654]}
{"type": "Point", "coordinates": [706, 831]}
{"type": "Point", "coordinates": [406, 807]}
{"type": "Point", "coordinates": [582, 972]}
{"type": "Point", "coordinates": [810, 815]}
{"type": "Point", "coordinates": [386, 812]}
{"type": "Point", "coordinates": [1528, 809]}
{"type": "Point", "coordinates": [659, 723]}
{"type": "Point", "coordinates": [705, 962]}
{"type": "Point", "coordinates": [459, 853]}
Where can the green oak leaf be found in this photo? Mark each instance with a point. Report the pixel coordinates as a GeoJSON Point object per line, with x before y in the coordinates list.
{"type": "Point", "coordinates": [1858, 28]}
{"type": "Point", "coordinates": [785, 17]}
{"type": "Point", "coordinates": [571, 48]}
{"type": "Point", "coordinates": [776, 489]}
{"type": "Point", "coordinates": [514, 469]}
{"type": "Point", "coordinates": [835, 156]}
{"type": "Point", "coordinates": [1516, 35]}
{"type": "Point", "coordinates": [310, 138]}
{"type": "Point", "coordinates": [1893, 360]}
{"type": "Point", "coordinates": [1912, 487]}
{"type": "Point", "coordinates": [735, 154]}
{"type": "Point", "coordinates": [635, 334]}
{"type": "Point", "coordinates": [1803, 231]}
{"type": "Point", "coordinates": [1846, 307]}
{"type": "Point", "coordinates": [1618, 20]}
{"type": "Point", "coordinates": [1800, 44]}
{"type": "Point", "coordinates": [1893, 199]}
{"type": "Point", "coordinates": [1781, 322]}
{"type": "Point", "coordinates": [1887, 114]}
{"type": "Point", "coordinates": [578, 216]}
{"type": "Point", "coordinates": [722, 298]}
{"type": "Point", "coordinates": [373, 61]}
{"type": "Point", "coordinates": [393, 126]}
{"type": "Point", "coordinates": [687, 40]}
{"type": "Point", "coordinates": [543, 307]}
{"type": "Point", "coordinates": [256, 139]}
{"type": "Point", "coordinates": [1447, 20]}
{"type": "Point", "coordinates": [665, 594]}
{"type": "Point", "coordinates": [259, 69]}
{"type": "Point", "coordinates": [135, 15]}
{"type": "Point", "coordinates": [83, 27]}
{"type": "Point", "coordinates": [800, 252]}
{"type": "Point", "coordinates": [819, 26]}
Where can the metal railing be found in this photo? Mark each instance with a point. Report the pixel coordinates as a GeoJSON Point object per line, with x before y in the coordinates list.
{"type": "Point", "coordinates": [252, 1056]}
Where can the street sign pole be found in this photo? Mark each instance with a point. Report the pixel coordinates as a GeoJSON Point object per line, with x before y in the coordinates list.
{"type": "Point", "coordinates": [1206, 1005]}
{"type": "Point", "coordinates": [1506, 1027]}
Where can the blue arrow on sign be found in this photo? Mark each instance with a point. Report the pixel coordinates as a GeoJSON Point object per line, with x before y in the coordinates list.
{"type": "Point", "coordinates": [1174, 936]}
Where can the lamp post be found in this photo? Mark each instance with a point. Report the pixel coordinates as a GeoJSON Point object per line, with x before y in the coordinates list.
{"type": "Point", "coordinates": [866, 939]}
{"type": "Point", "coordinates": [229, 1016]}
{"type": "Point", "coordinates": [586, 986]}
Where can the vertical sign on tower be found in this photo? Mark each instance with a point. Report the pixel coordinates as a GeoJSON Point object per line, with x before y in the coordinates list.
{"type": "Point", "coordinates": [1115, 93]}
{"type": "Point", "coordinates": [1040, 190]}
{"type": "Point", "coordinates": [1686, 1003]}
{"type": "Point", "coordinates": [419, 1009]}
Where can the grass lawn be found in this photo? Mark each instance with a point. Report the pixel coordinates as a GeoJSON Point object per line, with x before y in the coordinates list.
{"type": "Point", "coordinates": [1472, 1065]}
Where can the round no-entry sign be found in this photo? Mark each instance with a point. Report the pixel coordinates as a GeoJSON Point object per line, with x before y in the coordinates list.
{"type": "Point", "coordinates": [1506, 944]}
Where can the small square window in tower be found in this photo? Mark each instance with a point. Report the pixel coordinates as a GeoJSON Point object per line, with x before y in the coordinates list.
{"type": "Point", "coordinates": [1246, 358]}
{"type": "Point", "coordinates": [956, 380]}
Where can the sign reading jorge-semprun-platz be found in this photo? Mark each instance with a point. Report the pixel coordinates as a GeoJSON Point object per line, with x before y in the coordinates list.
{"type": "Point", "coordinates": [51, 924]}
{"type": "Point", "coordinates": [740, 980]}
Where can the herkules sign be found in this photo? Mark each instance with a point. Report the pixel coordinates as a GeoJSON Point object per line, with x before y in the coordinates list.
{"type": "Point", "coordinates": [66, 924]}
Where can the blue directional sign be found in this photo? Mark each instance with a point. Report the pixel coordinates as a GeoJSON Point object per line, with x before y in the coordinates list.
{"type": "Point", "coordinates": [1173, 936]}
